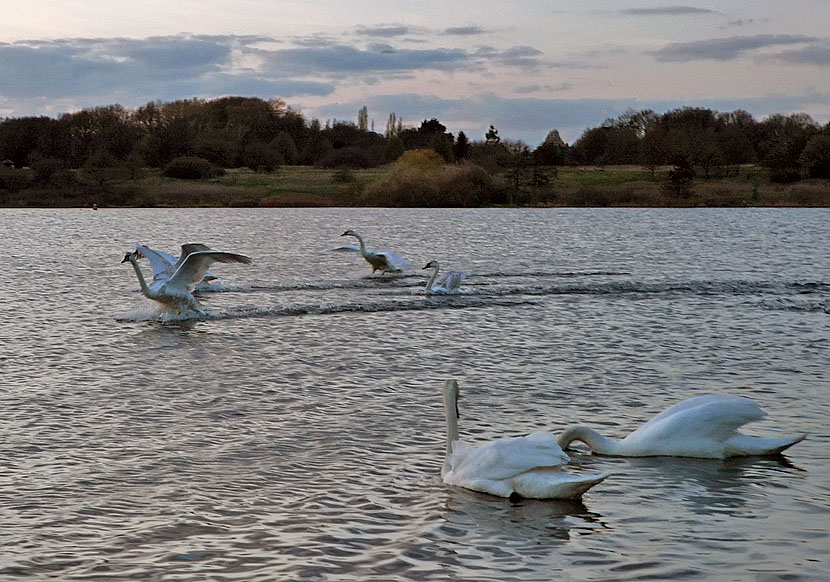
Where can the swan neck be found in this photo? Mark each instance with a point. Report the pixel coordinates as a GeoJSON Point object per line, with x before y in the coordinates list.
{"type": "Point", "coordinates": [431, 279]}
{"type": "Point", "coordinates": [599, 444]}
{"type": "Point", "coordinates": [362, 244]}
{"type": "Point", "coordinates": [144, 289]}
{"type": "Point", "coordinates": [451, 410]}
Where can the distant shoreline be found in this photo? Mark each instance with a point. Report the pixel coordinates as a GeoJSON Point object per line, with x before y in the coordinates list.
{"type": "Point", "coordinates": [308, 187]}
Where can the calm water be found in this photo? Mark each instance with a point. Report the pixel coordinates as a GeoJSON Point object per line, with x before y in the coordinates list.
{"type": "Point", "coordinates": [296, 433]}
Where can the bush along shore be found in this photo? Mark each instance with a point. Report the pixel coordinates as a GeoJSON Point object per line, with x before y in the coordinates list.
{"type": "Point", "coordinates": [418, 179]}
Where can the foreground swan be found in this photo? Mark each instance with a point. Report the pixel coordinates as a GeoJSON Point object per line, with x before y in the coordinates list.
{"type": "Point", "coordinates": [383, 261]}
{"type": "Point", "coordinates": [176, 292]}
{"type": "Point", "coordinates": [448, 283]}
{"type": "Point", "coordinates": [164, 264]}
{"type": "Point", "coordinates": [528, 466]}
{"type": "Point", "coordinates": [704, 427]}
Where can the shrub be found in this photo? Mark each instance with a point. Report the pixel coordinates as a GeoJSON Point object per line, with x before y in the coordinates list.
{"type": "Point", "coordinates": [260, 157]}
{"type": "Point", "coordinates": [188, 168]}
{"type": "Point", "coordinates": [815, 157]}
{"type": "Point", "coordinates": [464, 185]}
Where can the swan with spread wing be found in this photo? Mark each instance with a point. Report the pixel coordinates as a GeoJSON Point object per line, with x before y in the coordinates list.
{"type": "Point", "coordinates": [383, 261]}
{"type": "Point", "coordinates": [176, 291]}
{"type": "Point", "coordinates": [164, 264]}
{"type": "Point", "coordinates": [448, 283]}
{"type": "Point", "coordinates": [528, 466]}
{"type": "Point", "coordinates": [703, 427]}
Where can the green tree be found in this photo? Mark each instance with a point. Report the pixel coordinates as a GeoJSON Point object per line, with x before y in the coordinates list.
{"type": "Point", "coordinates": [286, 148]}
{"type": "Point", "coordinates": [461, 147]}
{"type": "Point", "coordinates": [492, 136]}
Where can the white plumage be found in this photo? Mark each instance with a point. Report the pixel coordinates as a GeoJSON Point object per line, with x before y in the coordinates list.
{"type": "Point", "coordinates": [447, 284]}
{"type": "Point", "coordinates": [703, 427]}
{"type": "Point", "coordinates": [528, 466]}
{"type": "Point", "coordinates": [164, 264]}
{"type": "Point", "coordinates": [383, 261]}
{"type": "Point", "coordinates": [176, 291]}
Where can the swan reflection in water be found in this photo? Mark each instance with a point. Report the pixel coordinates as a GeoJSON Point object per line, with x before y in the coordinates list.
{"type": "Point", "coordinates": [527, 523]}
{"type": "Point", "coordinates": [704, 486]}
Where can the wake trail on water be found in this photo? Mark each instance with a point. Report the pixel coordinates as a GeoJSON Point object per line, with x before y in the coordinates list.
{"type": "Point", "coordinates": [492, 290]}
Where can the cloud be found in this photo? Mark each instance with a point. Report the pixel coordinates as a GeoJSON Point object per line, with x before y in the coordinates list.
{"type": "Point", "coordinates": [464, 30]}
{"type": "Point", "coordinates": [724, 49]}
{"type": "Point", "coordinates": [383, 31]}
{"type": "Point", "coordinates": [666, 11]}
{"type": "Point", "coordinates": [817, 54]}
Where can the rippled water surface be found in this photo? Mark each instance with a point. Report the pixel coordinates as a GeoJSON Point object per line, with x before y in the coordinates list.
{"type": "Point", "coordinates": [295, 432]}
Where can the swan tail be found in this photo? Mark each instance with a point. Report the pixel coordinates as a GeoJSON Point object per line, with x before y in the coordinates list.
{"type": "Point", "coordinates": [555, 484]}
{"type": "Point", "coordinates": [744, 445]}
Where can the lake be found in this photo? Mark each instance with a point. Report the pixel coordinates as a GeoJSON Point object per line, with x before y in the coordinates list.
{"type": "Point", "coordinates": [296, 431]}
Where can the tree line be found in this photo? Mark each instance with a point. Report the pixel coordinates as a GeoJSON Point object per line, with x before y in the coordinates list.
{"type": "Point", "coordinates": [234, 132]}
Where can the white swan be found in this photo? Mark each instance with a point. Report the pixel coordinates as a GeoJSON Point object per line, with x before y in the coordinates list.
{"type": "Point", "coordinates": [448, 283]}
{"type": "Point", "coordinates": [176, 291]}
{"type": "Point", "coordinates": [704, 427]}
{"type": "Point", "coordinates": [528, 466]}
{"type": "Point", "coordinates": [164, 264]}
{"type": "Point", "coordinates": [383, 261]}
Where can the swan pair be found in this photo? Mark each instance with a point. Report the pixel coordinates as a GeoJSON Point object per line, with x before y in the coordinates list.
{"type": "Point", "coordinates": [390, 262]}
{"type": "Point", "coordinates": [533, 465]}
{"type": "Point", "coordinates": [175, 291]}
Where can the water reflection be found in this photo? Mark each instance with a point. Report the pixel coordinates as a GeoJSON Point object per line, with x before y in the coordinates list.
{"type": "Point", "coordinates": [469, 514]}
{"type": "Point", "coordinates": [709, 486]}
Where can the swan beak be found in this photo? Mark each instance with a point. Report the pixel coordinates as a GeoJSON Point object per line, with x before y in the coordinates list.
{"type": "Point", "coordinates": [126, 258]}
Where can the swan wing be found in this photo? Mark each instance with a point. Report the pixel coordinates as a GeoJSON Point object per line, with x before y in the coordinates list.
{"type": "Point", "coordinates": [452, 280]}
{"type": "Point", "coordinates": [696, 427]}
{"type": "Point", "coordinates": [193, 268]}
{"type": "Point", "coordinates": [346, 248]}
{"type": "Point", "coordinates": [505, 458]}
{"type": "Point", "coordinates": [394, 260]}
{"type": "Point", "coordinates": [188, 248]}
{"type": "Point", "coordinates": [161, 262]}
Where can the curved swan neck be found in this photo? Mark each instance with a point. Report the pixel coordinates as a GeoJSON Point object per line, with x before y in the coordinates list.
{"type": "Point", "coordinates": [144, 289]}
{"type": "Point", "coordinates": [599, 444]}
{"type": "Point", "coordinates": [431, 279]}
{"type": "Point", "coordinates": [362, 245]}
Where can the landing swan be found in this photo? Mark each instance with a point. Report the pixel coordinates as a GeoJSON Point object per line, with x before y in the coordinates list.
{"type": "Point", "coordinates": [448, 283]}
{"type": "Point", "coordinates": [164, 264]}
{"type": "Point", "coordinates": [528, 466]}
{"type": "Point", "coordinates": [383, 261]}
{"type": "Point", "coordinates": [705, 427]}
{"type": "Point", "coordinates": [176, 292]}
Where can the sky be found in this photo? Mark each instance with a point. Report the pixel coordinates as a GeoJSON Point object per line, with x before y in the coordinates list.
{"type": "Point", "coordinates": [524, 66]}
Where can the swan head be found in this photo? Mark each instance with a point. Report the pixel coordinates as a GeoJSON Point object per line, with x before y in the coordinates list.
{"type": "Point", "coordinates": [129, 257]}
{"type": "Point", "coordinates": [349, 233]}
{"type": "Point", "coordinates": [431, 265]}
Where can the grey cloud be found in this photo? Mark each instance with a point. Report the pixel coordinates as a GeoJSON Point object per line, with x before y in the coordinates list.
{"type": "Point", "coordinates": [340, 59]}
{"type": "Point", "coordinates": [666, 11]}
{"type": "Point", "coordinates": [724, 49]}
{"type": "Point", "coordinates": [384, 31]}
{"type": "Point", "coordinates": [817, 54]}
{"type": "Point", "coordinates": [464, 30]}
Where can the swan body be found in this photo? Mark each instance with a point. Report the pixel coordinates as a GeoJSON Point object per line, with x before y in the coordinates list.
{"type": "Point", "coordinates": [383, 261]}
{"type": "Point", "coordinates": [176, 291]}
{"type": "Point", "coordinates": [528, 466]}
{"type": "Point", "coordinates": [703, 427]}
{"type": "Point", "coordinates": [448, 283]}
{"type": "Point", "coordinates": [164, 264]}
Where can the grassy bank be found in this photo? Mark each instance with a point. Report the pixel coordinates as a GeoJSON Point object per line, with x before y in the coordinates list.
{"type": "Point", "coordinates": [303, 186]}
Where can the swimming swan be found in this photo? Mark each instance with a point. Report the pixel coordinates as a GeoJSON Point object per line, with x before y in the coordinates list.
{"type": "Point", "coordinates": [383, 261]}
{"type": "Point", "coordinates": [164, 264]}
{"type": "Point", "coordinates": [448, 283]}
{"type": "Point", "coordinates": [528, 466]}
{"type": "Point", "coordinates": [176, 292]}
{"type": "Point", "coordinates": [705, 427]}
